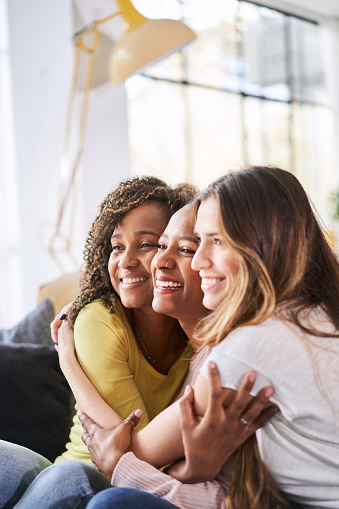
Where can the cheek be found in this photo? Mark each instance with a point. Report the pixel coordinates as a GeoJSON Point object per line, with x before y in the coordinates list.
{"type": "Point", "coordinates": [148, 262]}
{"type": "Point", "coordinates": [195, 286]}
{"type": "Point", "coordinates": [229, 265]}
{"type": "Point", "coordinates": [112, 266]}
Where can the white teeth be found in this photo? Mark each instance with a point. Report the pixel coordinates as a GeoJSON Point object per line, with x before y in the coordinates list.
{"type": "Point", "coordinates": [167, 284]}
{"type": "Point", "coordinates": [128, 280]}
{"type": "Point", "coordinates": [210, 280]}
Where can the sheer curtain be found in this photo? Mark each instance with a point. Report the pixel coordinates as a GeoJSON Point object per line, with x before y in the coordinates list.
{"type": "Point", "coordinates": [330, 51]}
{"type": "Point", "coordinates": [10, 267]}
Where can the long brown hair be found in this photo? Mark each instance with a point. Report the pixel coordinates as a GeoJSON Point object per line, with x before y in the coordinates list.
{"type": "Point", "coordinates": [285, 260]}
{"type": "Point", "coordinates": [95, 282]}
{"type": "Point", "coordinates": [285, 266]}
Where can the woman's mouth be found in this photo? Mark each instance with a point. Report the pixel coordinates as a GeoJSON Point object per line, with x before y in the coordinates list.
{"type": "Point", "coordinates": [210, 281]}
{"type": "Point", "coordinates": [166, 285]}
{"type": "Point", "coordinates": [129, 280]}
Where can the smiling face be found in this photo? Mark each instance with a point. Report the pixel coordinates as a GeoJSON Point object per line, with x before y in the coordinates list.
{"type": "Point", "coordinates": [218, 265]}
{"type": "Point", "coordinates": [134, 243]}
{"type": "Point", "coordinates": [177, 288]}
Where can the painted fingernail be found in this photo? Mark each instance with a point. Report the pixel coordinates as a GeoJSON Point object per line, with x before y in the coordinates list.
{"type": "Point", "coordinates": [138, 413]}
{"type": "Point", "coordinates": [187, 389]}
{"type": "Point", "coordinates": [252, 376]}
{"type": "Point", "coordinates": [212, 364]}
{"type": "Point", "coordinates": [269, 392]}
{"type": "Point", "coordinates": [62, 317]}
{"type": "Point", "coordinates": [56, 344]}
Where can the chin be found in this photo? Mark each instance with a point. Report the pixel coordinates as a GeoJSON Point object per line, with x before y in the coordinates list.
{"type": "Point", "coordinates": [162, 310]}
{"type": "Point", "coordinates": [210, 303]}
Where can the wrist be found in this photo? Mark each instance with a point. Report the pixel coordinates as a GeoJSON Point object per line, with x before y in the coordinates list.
{"type": "Point", "coordinates": [67, 360]}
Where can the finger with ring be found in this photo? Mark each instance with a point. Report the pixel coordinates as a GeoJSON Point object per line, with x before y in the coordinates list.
{"type": "Point", "coordinates": [84, 437]}
{"type": "Point", "coordinates": [246, 423]}
{"type": "Point", "coordinates": [130, 419]}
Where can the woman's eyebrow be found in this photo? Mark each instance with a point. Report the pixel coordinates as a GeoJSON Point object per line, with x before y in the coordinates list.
{"type": "Point", "coordinates": [184, 237]}
{"type": "Point", "coordinates": [190, 239]}
{"type": "Point", "coordinates": [136, 234]}
{"type": "Point", "coordinates": [146, 232]}
{"type": "Point", "coordinates": [212, 234]}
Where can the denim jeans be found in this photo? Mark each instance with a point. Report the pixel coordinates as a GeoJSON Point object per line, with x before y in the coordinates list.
{"type": "Point", "coordinates": [128, 498]}
{"type": "Point", "coordinates": [19, 468]}
{"type": "Point", "coordinates": [29, 481]}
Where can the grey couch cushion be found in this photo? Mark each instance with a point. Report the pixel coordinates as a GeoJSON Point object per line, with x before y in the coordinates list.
{"type": "Point", "coordinates": [34, 328]}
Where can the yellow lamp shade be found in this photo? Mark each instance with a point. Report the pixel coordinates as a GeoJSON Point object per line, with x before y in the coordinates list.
{"type": "Point", "coordinates": [148, 42]}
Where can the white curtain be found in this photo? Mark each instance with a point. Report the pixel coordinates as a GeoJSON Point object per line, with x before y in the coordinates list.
{"type": "Point", "coordinates": [10, 267]}
{"type": "Point", "coordinates": [330, 46]}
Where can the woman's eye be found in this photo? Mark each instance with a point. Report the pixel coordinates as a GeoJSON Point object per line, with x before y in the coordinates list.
{"type": "Point", "coordinates": [217, 242]}
{"type": "Point", "coordinates": [186, 250]}
{"type": "Point", "coordinates": [161, 247]}
{"type": "Point", "coordinates": [148, 245]}
{"type": "Point", "coordinates": [117, 248]}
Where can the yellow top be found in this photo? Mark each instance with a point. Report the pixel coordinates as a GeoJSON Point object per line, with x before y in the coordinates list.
{"type": "Point", "coordinates": [109, 355]}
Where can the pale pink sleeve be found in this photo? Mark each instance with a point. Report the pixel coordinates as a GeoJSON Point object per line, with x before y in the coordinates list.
{"type": "Point", "coordinates": [134, 473]}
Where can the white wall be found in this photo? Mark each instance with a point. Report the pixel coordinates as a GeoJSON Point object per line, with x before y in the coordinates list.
{"type": "Point", "coordinates": [41, 59]}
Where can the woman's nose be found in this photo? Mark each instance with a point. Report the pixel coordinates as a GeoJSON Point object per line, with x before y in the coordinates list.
{"type": "Point", "coordinates": [164, 260]}
{"type": "Point", "coordinates": [200, 260]}
{"type": "Point", "coordinates": [128, 259]}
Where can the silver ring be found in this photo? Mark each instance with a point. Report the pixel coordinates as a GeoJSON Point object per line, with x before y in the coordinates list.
{"type": "Point", "coordinates": [131, 421]}
{"type": "Point", "coordinates": [246, 423]}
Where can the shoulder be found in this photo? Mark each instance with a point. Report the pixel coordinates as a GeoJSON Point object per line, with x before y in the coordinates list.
{"type": "Point", "coordinates": [96, 319]}
{"type": "Point", "coordinates": [98, 312]}
{"type": "Point", "coordinates": [273, 342]}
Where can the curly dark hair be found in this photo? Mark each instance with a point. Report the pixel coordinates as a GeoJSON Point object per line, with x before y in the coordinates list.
{"type": "Point", "coordinates": [95, 281]}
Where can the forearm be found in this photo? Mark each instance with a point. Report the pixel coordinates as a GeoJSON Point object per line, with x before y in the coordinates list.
{"type": "Point", "coordinates": [137, 474]}
{"type": "Point", "coordinates": [160, 442]}
{"type": "Point", "coordinates": [88, 398]}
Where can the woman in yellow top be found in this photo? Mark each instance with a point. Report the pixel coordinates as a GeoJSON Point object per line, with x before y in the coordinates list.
{"type": "Point", "coordinates": [133, 356]}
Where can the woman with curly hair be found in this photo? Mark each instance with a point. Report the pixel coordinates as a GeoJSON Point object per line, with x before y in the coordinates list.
{"type": "Point", "coordinates": [134, 357]}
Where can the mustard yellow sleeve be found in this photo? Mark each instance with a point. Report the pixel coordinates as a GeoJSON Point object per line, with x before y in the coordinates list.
{"type": "Point", "coordinates": [105, 351]}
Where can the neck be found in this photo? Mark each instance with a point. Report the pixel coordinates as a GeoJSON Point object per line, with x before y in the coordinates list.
{"type": "Point", "coordinates": [189, 325]}
{"type": "Point", "coordinates": [159, 331]}
{"type": "Point", "coordinates": [159, 337]}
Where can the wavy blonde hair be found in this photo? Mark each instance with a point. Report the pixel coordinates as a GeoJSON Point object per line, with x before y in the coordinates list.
{"type": "Point", "coordinates": [285, 266]}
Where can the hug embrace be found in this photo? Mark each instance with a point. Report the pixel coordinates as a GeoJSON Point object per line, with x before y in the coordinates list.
{"type": "Point", "coordinates": [231, 292]}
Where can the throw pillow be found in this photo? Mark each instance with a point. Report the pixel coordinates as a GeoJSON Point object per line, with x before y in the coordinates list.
{"type": "Point", "coordinates": [34, 399]}
{"type": "Point", "coordinates": [34, 328]}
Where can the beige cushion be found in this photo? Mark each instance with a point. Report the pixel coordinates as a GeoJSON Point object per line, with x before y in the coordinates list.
{"type": "Point", "coordinates": [61, 291]}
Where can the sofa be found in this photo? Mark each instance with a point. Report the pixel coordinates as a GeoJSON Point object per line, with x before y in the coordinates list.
{"type": "Point", "coordinates": [36, 403]}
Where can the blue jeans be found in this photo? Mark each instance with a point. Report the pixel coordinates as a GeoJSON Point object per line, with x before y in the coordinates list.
{"type": "Point", "coordinates": [128, 498]}
{"type": "Point", "coordinates": [29, 481]}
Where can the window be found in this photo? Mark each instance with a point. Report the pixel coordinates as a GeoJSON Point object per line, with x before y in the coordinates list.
{"type": "Point", "coordinates": [249, 90]}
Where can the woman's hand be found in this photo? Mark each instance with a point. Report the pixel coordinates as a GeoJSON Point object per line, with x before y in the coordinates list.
{"type": "Point", "coordinates": [107, 446]}
{"type": "Point", "coordinates": [56, 324]}
{"type": "Point", "coordinates": [209, 441]}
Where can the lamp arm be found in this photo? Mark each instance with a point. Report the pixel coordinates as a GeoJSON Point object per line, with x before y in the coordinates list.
{"type": "Point", "coordinates": [93, 25]}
